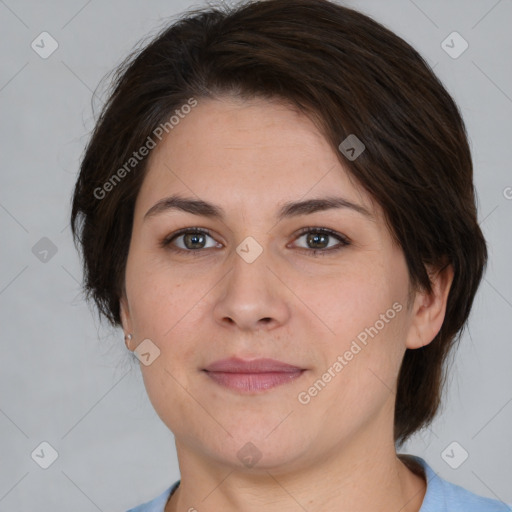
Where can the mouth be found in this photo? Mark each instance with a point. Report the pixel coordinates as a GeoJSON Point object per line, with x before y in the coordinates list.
{"type": "Point", "coordinates": [252, 376]}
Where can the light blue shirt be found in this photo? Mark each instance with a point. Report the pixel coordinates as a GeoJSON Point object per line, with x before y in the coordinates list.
{"type": "Point", "coordinates": [441, 496]}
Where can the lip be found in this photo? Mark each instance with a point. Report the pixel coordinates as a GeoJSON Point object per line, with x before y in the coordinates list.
{"type": "Point", "coordinates": [252, 375]}
{"type": "Point", "coordinates": [237, 365]}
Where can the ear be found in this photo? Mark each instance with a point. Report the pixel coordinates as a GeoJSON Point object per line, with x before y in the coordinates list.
{"type": "Point", "coordinates": [428, 310]}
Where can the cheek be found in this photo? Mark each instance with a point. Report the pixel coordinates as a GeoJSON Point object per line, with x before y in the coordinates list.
{"type": "Point", "coordinates": [169, 309]}
{"type": "Point", "coordinates": [347, 301]}
{"type": "Point", "coordinates": [365, 311]}
{"type": "Point", "coordinates": [159, 297]}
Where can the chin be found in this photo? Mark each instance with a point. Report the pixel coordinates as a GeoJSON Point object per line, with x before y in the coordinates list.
{"type": "Point", "coordinates": [249, 450]}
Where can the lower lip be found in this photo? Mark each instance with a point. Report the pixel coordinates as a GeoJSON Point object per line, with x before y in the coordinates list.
{"type": "Point", "coordinates": [247, 382]}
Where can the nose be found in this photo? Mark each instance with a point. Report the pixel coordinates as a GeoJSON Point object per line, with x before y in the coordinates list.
{"type": "Point", "coordinates": [251, 296]}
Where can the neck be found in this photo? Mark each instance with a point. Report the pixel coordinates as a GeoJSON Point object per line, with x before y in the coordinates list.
{"type": "Point", "coordinates": [358, 477]}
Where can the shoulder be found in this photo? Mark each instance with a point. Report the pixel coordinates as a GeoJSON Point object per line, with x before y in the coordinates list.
{"type": "Point", "coordinates": [156, 504]}
{"type": "Point", "coordinates": [443, 496]}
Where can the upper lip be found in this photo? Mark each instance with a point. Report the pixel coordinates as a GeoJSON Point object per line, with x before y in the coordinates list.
{"type": "Point", "coordinates": [237, 365]}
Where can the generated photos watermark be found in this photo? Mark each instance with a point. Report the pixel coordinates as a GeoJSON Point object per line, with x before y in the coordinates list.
{"type": "Point", "coordinates": [304, 397]}
{"type": "Point", "coordinates": [139, 155]}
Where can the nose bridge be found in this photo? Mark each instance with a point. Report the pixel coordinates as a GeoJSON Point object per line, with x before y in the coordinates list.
{"type": "Point", "coordinates": [251, 294]}
{"type": "Point", "coordinates": [250, 265]}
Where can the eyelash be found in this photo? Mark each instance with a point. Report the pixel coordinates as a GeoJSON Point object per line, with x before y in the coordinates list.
{"type": "Point", "coordinates": [344, 241]}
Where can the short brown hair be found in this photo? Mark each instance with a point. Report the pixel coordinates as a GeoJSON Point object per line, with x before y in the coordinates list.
{"type": "Point", "coordinates": [351, 75]}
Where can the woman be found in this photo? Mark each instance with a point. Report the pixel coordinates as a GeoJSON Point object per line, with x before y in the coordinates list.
{"type": "Point", "coordinates": [277, 207]}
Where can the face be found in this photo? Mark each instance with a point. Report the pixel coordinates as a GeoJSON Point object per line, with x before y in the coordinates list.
{"type": "Point", "coordinates": [322, 289]}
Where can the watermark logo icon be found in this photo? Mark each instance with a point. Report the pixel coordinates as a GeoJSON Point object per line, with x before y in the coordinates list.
{"type": "Point", "coordinates": [249, 249]}
{"type": "Point", "coordinates": [147, 352]}
{"type": "Point", "coordinates": [454, 45]}
{"type": "Point", "coordinates": [352, 147]}
{"type": "Point", "coordinates": [454, 455]}
{"type": "Point", "coordinates": [44, 250]}
{"type": "Point", "coordinates": [249, 454]}
{"type": "Point", "coordinates": [44, 455]}
{"type": "Point", "coordinates": [44, 45]}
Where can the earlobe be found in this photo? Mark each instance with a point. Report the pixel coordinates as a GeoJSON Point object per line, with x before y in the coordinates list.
{"type": "Point", "coordinates": [429, 309]}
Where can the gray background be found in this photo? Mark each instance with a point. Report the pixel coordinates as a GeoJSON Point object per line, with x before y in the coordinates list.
{"type": "Point", "coordinates": [67, 380]}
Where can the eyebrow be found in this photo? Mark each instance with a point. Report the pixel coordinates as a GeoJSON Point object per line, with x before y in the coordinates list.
{"type": "Point", "coordinates": [289, 209]}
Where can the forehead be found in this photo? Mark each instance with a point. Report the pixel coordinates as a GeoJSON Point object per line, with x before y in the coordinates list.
{"type": "Point", "coordinates": [250, 155]}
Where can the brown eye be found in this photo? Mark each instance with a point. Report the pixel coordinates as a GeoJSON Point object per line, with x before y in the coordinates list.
{"type": "Point", "coordinates": [188, 240]}
{"type": "Point", "coordinates": [318, 240]}
{"type": "Point", "coordinates": [322, 240]}
{"type": "Point", "coordinates": [194, 240]}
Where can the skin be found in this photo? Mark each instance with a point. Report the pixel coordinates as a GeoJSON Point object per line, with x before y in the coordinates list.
{"type": "Point", "coordinates": [336, 452]}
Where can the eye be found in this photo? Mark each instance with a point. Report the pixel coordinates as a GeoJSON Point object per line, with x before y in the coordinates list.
{"type": "Point", "coordinates": [318, 240]}
{"type": "Point", "coordinates": [193, 240]}
{"type": "Point", "coordinates": [188, 240]}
